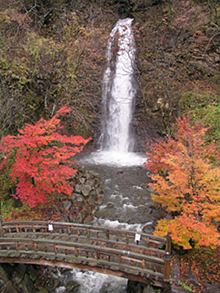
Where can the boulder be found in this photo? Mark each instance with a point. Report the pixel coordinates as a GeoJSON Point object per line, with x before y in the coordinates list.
{"type": "Point", "coordinates": [71, 285]}
{"type": "Point", "coordinates": [85, 189]}
{"type": "Point", "coordinates": [4, 274]}
{"type": "Point", "coordinates": [9, 288]}
{"type": "Point", "coordinates": [137, 287]}
{"type": "Point", "coordinates": [42, 290]}
{"type": "Point", "coordinates": [26, 286]}
{"type": "Point", "coordinates": [78, 188]}
{"type": "Point", "coordinates": [91, 200]}
{"type": "Point", "coordinates": [67, 204]}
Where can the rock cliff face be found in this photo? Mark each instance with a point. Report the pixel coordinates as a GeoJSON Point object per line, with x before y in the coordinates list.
{"type": "Point", "coordinates": [177, 61]}
{"type": "Point", "coordinates": [178, 67]}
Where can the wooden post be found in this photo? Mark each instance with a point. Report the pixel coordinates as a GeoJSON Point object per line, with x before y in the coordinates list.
{"type": "Point", "coordinates": [33, 228]}
{"type": "Point", "coordinates": [76, 251]}
{"type": "Point", "coordinates": [127, 238]}
{"type": "Point", "coordinates": [167, 266]}
{"type": "Point", "coordinates": [55, 248]}
{"type": "Point", "coordinates": [169, 244]}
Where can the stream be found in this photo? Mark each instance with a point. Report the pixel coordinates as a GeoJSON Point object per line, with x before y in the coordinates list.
{"type": "Point", "coordinates": [127, 205]}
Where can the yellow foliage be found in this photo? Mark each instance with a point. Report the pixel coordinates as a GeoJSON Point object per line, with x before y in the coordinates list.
{"type": "Point", "coordinates": [190, 186]}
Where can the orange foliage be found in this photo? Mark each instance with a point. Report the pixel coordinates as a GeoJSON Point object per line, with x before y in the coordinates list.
{"type": "Point", "coordinates": [186, 180]}
{"type": "Point", "coordinates": [43, 159]}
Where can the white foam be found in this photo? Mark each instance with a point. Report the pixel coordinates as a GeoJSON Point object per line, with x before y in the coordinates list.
{"type": "Point", "coordinates": [91, 282]}
{"type": "Point", "coordinates": [102, 207]}
{"type": "Point", "coordinates": [60, 289]}
{"type": "Point", "coordinates": [116, 224]}
{"type": "Point", "coordinates": [114, 195]}
{"type": "Point", "coordinates": [137, 187]}
{"type": "Point", "coordinates": [129, 207]}
{"type": "Point", "coordinates": [115, 159]}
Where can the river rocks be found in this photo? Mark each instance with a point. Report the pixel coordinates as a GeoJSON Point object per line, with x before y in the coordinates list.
{"type": "Point", "coordinates": [26, 285]}
{"type": "Point", "coordinates": [137, 287]}
{"type": "Point", "coordinates": [9, 288]}
{"type": "Point", "coordinates": [42, 290]}
{"type": "Point", "coordinates": [71, 285]}
{"type": "Point", "coordinates": [18, 273]}
{"type": "Point", "coordinates": [16, 279]}
{"type": "Point", "coordinates": [110, 205]}
{"type": "Point", "coordinates": [133, 286]}
{"type": "Point", "coordinates": [4, 273]}
{"type": "Point", "coordinates": [19, 278]}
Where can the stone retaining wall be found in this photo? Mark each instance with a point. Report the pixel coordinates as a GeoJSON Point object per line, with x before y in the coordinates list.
{"type": "Point", "coordinates": [88, 194]}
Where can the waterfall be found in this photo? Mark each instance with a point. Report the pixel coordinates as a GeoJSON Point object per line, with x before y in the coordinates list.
{"type": "Point", "coordinates": [118, 90]}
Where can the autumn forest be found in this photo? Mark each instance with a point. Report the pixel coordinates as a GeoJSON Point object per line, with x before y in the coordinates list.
{"type": "Point", "coordinates": [52, 59]}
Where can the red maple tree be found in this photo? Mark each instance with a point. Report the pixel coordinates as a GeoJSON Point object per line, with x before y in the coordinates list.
{"type": "Point", "coordinates": [186, 180]}
{"type": "Point", "coordinates": [43, 159]}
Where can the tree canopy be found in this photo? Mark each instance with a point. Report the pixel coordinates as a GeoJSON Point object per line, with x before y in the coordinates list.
{"type": "Point", "coordinates": [186, 181]}
{"type": "Point", "coordinates": [42, 159]}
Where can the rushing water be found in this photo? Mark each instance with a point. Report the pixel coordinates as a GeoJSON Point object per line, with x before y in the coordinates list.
{"type": "Point", "coordinates": [116, 151]}
{"type": "Point", "coordinates": [91, 282]}
{"type": "Point", "coordinates": [127, 205]}
{"type": "Point", "coordinates": [116, 141]}
{"type": "Point", "coordinates": [118, 90]}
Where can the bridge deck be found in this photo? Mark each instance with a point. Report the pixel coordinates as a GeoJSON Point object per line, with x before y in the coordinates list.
{"type": "Point", "coordinates": [124, 253]}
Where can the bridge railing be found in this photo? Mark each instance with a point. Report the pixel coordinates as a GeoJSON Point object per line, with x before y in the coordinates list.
{"type": "Point", "coordinates": [84, 253]}
{"type": "Point", "coordinates": [85, 242]}
{"type": "Point", "coordinates": [89, 231]}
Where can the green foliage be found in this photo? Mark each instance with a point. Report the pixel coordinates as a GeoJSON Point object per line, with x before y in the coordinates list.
{"type": "Point", "coordinates": [211, 117]}
{"type": "Point", "coordinates": [32, 278]}
{"type": "Point", "coordinates": [39, 72]}
{"type": "Point", "coordinates": [52, 53]}
{"type": "Point", "coordinates": [9, 212]}
{"type": "Point", "coordinates": [5, 179]}
{"type": "Point", "coordinates": [201, 106]}
{"type": "Point", "coordinates": [177, 48]}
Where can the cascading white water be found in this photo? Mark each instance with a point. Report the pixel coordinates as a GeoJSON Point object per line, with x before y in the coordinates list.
{"type": "Point", "coordinates": [116, 146]}
{"type": "Point", "coordinates": [118, 89]}
{"type": "Point", "coordinates": [116, 143]}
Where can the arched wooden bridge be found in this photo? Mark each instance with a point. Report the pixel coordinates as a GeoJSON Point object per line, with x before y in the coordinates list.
{"type": "Point", "coordinates": [140, 257]}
